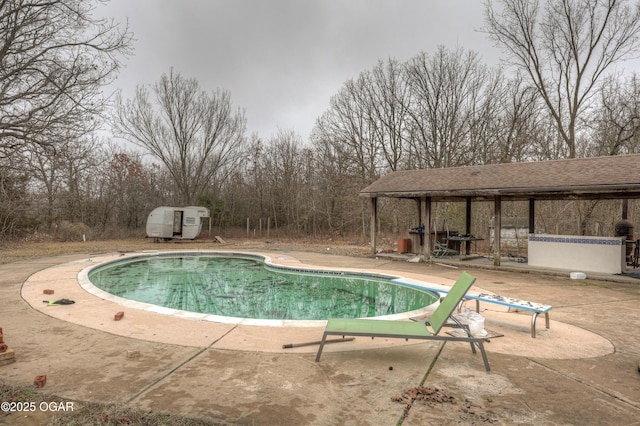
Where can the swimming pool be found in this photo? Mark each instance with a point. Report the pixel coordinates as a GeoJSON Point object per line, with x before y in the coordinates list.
{"type": "Point", "coordinates": [238, 285]}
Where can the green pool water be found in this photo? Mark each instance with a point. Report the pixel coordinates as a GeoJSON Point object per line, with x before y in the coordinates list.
{"type": "Point", "coordinates": [249, 288]}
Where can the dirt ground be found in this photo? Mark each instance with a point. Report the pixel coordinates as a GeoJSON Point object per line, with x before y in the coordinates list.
{"type": "Point", "coordinates": [583, 370]}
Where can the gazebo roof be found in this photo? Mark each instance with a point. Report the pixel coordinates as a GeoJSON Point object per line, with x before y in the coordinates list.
{"type": "Point", "coordinates": [586, 178]}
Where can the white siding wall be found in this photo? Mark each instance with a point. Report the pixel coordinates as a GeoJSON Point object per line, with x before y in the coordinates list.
{"type": "Point", "coordinates": [576, 253]}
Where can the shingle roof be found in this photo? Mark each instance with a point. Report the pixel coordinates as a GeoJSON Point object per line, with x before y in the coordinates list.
{"type": "Point", "coordinates": [596, 177]}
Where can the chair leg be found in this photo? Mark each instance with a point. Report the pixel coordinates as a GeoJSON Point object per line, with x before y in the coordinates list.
{"type": "Point", "coordinates": [534, 317]}
{"type": "Point", "coordinates": [546, 319]}
{"type": "Point", "coordinates": [324, 339]}
{"type": "Point", "coordinates": [484, 355]}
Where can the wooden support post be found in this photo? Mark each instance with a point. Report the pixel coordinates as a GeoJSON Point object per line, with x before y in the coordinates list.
{"type": "Point", "coordinates": [497, 225]}
{"type": "Point", "coordinates": [425, 220]}
{"type": "Point", "coordinates": [468, 225]}
{"type": "Point", "coordinates": [373, 223]}
{"type": "Point", "coordinates": [532, 216]}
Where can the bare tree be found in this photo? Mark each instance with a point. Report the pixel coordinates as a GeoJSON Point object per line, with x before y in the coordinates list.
{"type": "Point", "coordinates": [565, 47]}
{"type": "Point", "coordinates": [283, 171]}
{"type": "Point", "coordinates": [55, 57]}
{"type": "Point", "coordinates": [348, 126]}
{"type": "Point", "coordinates": [349, 138]}
{"type": "Point", "coordinates": [446, 91]}
{"type": "Point", "coordinates": [256, 180]}
{"type": "Point", "coordinates": [16, 216]}
{"type": "Point", "coordinates": [368, 119]}
{"type": "Point", "coordinates": [123, 190]}
{"type": "Point", "coordinates": [386, 99]}
{"type": "Point", "coordinates": [337, 184]}
{"type": "Point", "coordinates": [616, 122]}
{"type": "Point", "coordinates": [128, 182]}
{"type": "Point", "coordinates": [58, 172]}
{"type": "Point", "coordinates": [194, 134]}
{"type": "Point", "coordinates": [490, 128]}
{"type": "Point", "coordinates": [513, 129]}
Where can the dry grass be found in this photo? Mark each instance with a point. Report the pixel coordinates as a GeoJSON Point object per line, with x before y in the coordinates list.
{"type": "Point", "coordinates": [21, 251]}
{"type": "Point", "coordinates": [90, 414]}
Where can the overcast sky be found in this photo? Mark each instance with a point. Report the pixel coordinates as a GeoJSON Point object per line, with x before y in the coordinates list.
{"type": "Point", "coordinates": [282, 60]}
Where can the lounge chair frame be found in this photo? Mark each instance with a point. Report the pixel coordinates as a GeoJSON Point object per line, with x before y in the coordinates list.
{"type": "Point", "coordinates": [441, 250]}
{"type": "Point", "coordinates": [441, 317]}
{"type": "Point", "coordinates": [510, 302]}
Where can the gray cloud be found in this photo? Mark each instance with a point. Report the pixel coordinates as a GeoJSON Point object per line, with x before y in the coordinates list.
{"type": "Point", "coordinates": [282, 60]}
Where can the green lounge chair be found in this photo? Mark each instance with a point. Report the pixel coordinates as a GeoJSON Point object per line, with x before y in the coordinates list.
{"type": "Point", "coordinates": [412, 330]}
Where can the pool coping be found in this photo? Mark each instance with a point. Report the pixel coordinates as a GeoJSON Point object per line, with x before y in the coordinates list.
{"type": "Point", "coordinates": [287, 263]}
{"type": "Point", "coordinates": [180, 328]}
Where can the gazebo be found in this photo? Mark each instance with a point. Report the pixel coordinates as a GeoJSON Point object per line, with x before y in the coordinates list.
{"type": "Point", "coordinates": [612, 177]}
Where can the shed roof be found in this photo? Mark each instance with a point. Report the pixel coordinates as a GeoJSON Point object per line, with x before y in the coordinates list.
{"type": "Point", "coordinates": [596, 177]}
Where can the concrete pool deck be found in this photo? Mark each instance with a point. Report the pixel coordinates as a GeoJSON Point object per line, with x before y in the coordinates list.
{"type": "Point", "coordinates": [583, 370]}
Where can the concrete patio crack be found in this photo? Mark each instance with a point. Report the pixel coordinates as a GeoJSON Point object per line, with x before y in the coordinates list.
{"type": "Point", "coordinates": [179, 366]}
{"type": "Point", "coordinates": [596, 388]}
